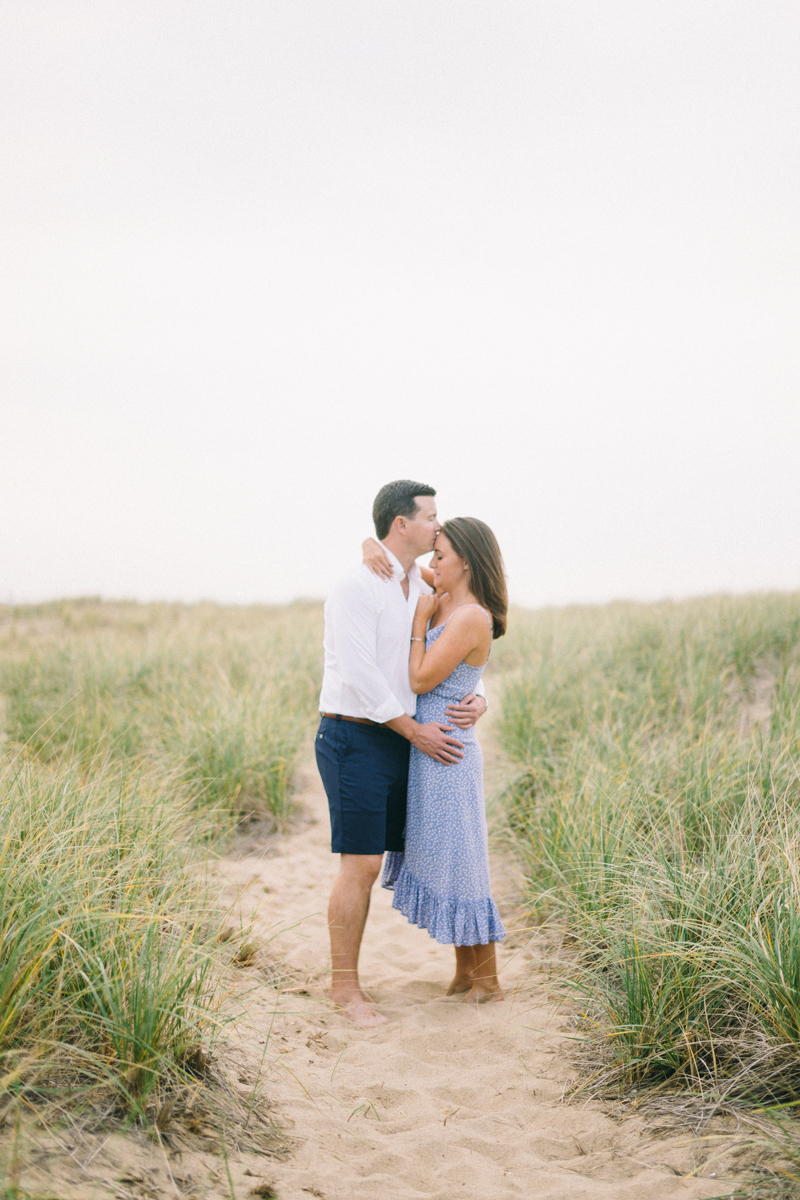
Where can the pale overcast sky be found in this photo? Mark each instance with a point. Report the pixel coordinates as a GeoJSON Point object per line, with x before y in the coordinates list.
{"type": "Point", "coordinates": [258, 258]}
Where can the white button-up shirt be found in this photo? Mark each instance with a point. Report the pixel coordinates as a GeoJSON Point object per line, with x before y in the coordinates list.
{"type": "Point", "coordinates": [367, 637]}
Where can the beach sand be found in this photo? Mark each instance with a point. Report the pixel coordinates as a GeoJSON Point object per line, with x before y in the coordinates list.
{"type": "Point", "coordinates": [446, 1101]}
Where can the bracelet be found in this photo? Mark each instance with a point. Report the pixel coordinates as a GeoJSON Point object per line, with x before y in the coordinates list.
{"type": "Point", "coordinates": [418, 639]}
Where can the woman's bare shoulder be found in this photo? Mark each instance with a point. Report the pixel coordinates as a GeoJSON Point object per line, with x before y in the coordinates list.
{"type": "Point", "coordinates": [472, 612]}
{"type": "Point", "coordinates": [469, 617]}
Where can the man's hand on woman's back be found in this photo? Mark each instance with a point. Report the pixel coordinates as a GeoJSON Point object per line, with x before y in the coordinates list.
{"type": "Point", "coordinates": [437, 742]}
{"type": "Point", "coordinates": [433, 739]}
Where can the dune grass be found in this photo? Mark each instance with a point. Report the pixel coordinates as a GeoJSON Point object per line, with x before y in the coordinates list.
{"type": "Point", "coordinates": [106, 944]}
{"type": "Point", "coordinates": [654, 802]}
{"type": "Point", "coordinates": [219, 697]}
{"type": "Point", "coordinates": [657, 809]}
{"type": "Point", "coordinates": [131, 736]}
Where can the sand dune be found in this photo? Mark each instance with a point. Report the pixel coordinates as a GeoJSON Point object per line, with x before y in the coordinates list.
{"type": "Point", "coordinates": [445, 1100]}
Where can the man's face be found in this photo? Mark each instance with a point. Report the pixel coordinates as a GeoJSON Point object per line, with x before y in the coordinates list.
{"type": "Point", "coordinates": [422, 528]}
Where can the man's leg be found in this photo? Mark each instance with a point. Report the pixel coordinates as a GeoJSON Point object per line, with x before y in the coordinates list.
{"type": "Point", "coordinates": [347, 916]}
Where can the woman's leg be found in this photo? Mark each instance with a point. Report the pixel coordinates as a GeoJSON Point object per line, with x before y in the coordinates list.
{"type": "Point", "coordinates": [485, 984]}
{"type": "Point", "coordinates": [465, 963]}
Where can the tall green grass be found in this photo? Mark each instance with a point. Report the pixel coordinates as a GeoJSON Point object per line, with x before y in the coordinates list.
{"type": "Point", "coordinates": [221, 697]}
{"type": "Point", "coordinates": [106, 942]}
{"type": "Point", "coordinates": [657, 808]}
{"type": "Point", "coordinates": [130, 735]}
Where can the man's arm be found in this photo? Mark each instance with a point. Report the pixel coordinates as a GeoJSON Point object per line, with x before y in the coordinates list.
{"type": "Point", "coordinates": [352, 618]}
{"type": "Point", "coordinates": [353, 621]}
{"type": "Point", "coordinates": [432, 739]}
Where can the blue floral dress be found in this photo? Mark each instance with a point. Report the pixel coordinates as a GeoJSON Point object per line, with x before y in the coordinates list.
{"type": "Point", "coordinates": [441, 883]}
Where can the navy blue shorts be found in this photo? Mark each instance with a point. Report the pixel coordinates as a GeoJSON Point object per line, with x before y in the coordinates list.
{"type": "Point", "coordinates": [365, 772]}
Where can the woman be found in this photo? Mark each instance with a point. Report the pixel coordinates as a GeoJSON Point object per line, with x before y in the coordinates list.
{"type": "Point", "coordinates": [442, 881]}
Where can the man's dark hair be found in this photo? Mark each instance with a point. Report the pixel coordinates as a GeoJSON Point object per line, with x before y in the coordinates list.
{"type": "Point", "coordinates": [397, 500]}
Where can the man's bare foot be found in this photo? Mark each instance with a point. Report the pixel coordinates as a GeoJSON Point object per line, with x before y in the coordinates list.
{"type": "Point", "coordinates": [359, 1012]}
{"type": "Point", "coordinates": [479, 994]}
{"type": "Point", "coordinates": [461, 983]}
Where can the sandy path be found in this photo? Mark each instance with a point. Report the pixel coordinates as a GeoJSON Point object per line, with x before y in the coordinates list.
{"type": "Point", "coordinates": [446, 1100]}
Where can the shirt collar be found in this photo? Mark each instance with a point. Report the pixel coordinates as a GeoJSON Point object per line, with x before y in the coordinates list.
{"type": "Point", "coordinates": [399, 572]}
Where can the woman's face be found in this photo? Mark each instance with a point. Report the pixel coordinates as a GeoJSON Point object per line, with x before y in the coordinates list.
{"type": "Point", "coordinates": [448, 567]}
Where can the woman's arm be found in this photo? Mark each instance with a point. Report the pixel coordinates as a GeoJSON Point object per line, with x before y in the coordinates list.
{"type": "Point", "coordinates": [466, 632]}
{"type": "Point", "coordinates": [467, 711]}
{"type": "Point", "coordinates": [376, 559]}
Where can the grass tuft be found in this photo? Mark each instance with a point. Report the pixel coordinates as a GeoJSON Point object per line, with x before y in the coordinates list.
{"type": "Point", "coordinates": [131, 734]}
{"type": "Point", "coordinates": [656, 805]}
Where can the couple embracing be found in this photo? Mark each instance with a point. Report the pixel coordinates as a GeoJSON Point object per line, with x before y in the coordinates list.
{"type": "Point", "coordinates": [405, 649]}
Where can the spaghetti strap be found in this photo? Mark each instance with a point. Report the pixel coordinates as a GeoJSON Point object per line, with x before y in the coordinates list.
{"type": "Point", "coordinates": [483, 610]}
{"type": "Point", "coordinates": [453, 613]}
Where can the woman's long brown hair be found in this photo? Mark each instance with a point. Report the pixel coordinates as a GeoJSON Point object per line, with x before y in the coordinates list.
{"type": "Point", "coordinates": [474, 541]}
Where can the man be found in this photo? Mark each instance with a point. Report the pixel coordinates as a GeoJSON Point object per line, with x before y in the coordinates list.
{"type": "Point", "coordinates": [367, 724]}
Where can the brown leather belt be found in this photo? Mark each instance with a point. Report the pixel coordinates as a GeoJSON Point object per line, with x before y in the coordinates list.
{"type": "Point", "coordinates": [357, 720]}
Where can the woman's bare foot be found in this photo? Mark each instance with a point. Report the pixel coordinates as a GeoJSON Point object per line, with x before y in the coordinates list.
{"type": "Point", "coordinates": [360, 1013]}
{"type": "Point", "coordinates": [480, 994]}
{"type": "Point", "coordinates": [466, 962]}
{"type": "Point", "coordinates": [461, 983]}
{"type": "Point", "coordinates": [481, 968]}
